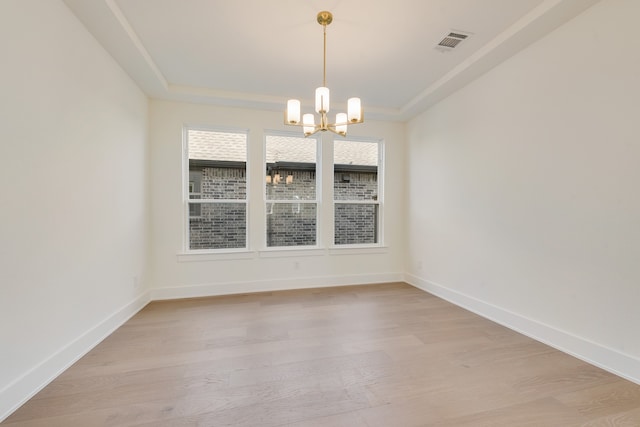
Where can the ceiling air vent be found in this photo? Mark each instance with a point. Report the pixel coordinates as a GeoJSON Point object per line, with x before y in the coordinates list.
{"type": "Point", "coordinates": [451, 40]}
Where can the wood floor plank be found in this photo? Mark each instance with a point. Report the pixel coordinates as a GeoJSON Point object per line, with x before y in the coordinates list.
{"type": "Point", "coordinates": [620, 419]}
{"type": "Point", "coordinates": [347, 419]}
{"type": "Point", "coordinates": [604, 399]}
{"type": "Point", "coordinates": [309, 368]}
{"type": "Point", "coordinates": [374, 355]}
{"type": "Point", "coordinates": [536, 413]}
{"type": "Point", "coordinates": [275, 413]}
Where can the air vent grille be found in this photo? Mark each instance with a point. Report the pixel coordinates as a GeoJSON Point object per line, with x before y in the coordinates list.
{"type": "Point", "coordinates": [452, 40]}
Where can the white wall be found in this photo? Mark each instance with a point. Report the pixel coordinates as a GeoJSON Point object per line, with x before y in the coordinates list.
{"type": "Point", "coordinates": [73, 167]}
{"type": "Point", "coordinates": [523, 200]}
{"type": "Point", "coordinates": [258, 271]}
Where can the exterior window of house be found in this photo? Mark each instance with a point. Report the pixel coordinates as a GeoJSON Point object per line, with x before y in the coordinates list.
{"type": "Point", "coordinates": [357, 191]}
{"type": "Point", "coordinates": [291, 199]}
{"type": "Point", "coordinates": [216, 188]}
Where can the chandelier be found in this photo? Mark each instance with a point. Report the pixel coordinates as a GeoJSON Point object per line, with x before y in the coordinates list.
{"type": "Point", "coordinates": [354, 114]}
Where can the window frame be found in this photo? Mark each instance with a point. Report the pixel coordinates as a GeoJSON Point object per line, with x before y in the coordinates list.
{"type": "Point", "coordinates": [197, 211]}
{"type": "Point", "coordinates": [380, 240]}
{"type": "Point", "coordinates": [316, 201]}
{"type": "Point", "coordinates": [186, 201]}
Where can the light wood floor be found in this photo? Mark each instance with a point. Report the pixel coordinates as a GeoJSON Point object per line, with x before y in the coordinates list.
{"type": "Point", "coordinates": [379, 355]}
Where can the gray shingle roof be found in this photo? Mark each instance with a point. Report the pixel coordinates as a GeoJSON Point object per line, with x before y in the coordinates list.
{"type": "Point", "coordinates": [290, 149]}
{"type": "Point", "coordinates": [355, 153]}
{"type": "Point", "coordinates": [229, 146]}
{"type": "Point", "coordinates": [211, 145]}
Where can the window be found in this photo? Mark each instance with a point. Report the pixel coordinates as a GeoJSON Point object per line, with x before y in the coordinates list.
{"type": "Point", "coordinates": [291, 199]}
{"type": "Point", "coordinates": [356, 192]}
{"type": "Point", "coordinates": [216, 184]}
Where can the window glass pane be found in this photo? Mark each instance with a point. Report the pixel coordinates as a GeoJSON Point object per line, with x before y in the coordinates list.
{"type": "Point", "coordinates": [217, 164]}
{"type": "Point", "coordinates": [291, 224]}
{"type": "Point", "coordinates": [355, 168]}
{"type": "Point", "coordinates": [290, 168]}
{"type": "Point", "coordinates": [292, 184]}
{"type": "Point", "coordinates": [217, 225]}
{"type": "Point", "coordinates": [355, 180]}
{"type": "Point", "coordinates": [356, 223]}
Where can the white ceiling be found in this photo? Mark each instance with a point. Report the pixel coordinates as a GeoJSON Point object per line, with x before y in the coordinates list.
{"type": "Point", "coordinates": [259, 53]}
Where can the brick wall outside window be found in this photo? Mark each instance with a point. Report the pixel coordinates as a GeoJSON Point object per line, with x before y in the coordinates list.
{"type": "Point", "coordinates": [355, 223]}
{"type": "Point", "coordinates": [291, 224]}
{"type": "Point", "coordinates": [224, 183]}
{"type": "Point", "coordinates": [222, 225]}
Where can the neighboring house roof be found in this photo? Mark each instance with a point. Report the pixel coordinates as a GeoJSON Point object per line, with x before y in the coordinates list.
{"type": "Point", "coordinates": [221, 146]}
{"type": "Point", "coordinates": [347, 152]}
{"type": "Point", "coordinates": [232, 147]}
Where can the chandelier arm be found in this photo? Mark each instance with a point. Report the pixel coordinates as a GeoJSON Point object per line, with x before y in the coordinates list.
{"type": "Point", "coordinates": [316, 129]}
{"type": "Point", "coordinates": [332, 128]}
{"type": "Point", "coordinates": [301, 124]}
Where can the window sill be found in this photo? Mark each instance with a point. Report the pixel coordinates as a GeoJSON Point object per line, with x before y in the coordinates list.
{"type": "Point", "coordinates": [281, 252]}
{"type": "Point", "coordinates": [295, 251]}
{"type": "Point", "coordinates": [215, 256]}
{"type": "Point", "coordinates": [358, 250]}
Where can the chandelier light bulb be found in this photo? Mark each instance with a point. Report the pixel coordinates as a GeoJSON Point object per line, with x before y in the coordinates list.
{"type": "Point", "coordinates": [341, 123]}
{"type": "Point", "coordinates": [322, 100]}
{"type": "Point", "coordinates": [293, 111]}
{"type": "Point", "coordinates": [354, 109]}
{"type": "Point", "coordinates": [309, 124]}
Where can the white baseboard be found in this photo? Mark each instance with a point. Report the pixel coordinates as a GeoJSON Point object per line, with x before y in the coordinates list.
{"type": "Point", "coordinates": [24, 388]}
{"type": "Point", "coordinates": [214, 289]}
{"type": "Point", "coordinates": [616, 362]}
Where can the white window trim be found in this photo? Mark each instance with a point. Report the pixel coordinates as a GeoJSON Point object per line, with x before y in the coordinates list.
{"type": "Point", "coordinates": [201, 255]}
{"type": "Point", "coordinates": [188, 254]}
{"type": "Point", "coordinates": [291, 251]}
{"type": "Point", "coordinates": [362, 249]}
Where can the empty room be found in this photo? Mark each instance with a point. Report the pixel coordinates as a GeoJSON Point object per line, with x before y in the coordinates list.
{"type": "Point", "coordinates": [319, 213]}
